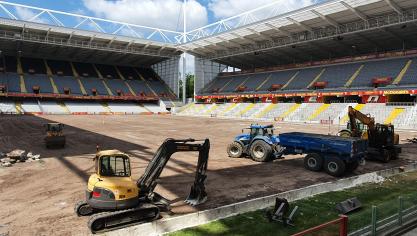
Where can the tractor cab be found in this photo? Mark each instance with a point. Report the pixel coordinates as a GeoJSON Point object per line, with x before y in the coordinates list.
{"type": "Point", "coordinates": [54, 128]}
{"type": "Point", "coordinates": [256, 130]}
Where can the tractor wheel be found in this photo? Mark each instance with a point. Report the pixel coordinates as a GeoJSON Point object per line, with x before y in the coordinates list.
{"type": "Point", "coordinates": [345, 133]}
{"type": "Point", "coordinates": [352, 166]}
{"type": "Point", "coordinates": [334, 166]}
{"type": "Point", "coordinates": [235, 150]}
{"type": "Point", "coordinates": [261, 151]}
{"type": "Point", "coordinates": [313, 162]}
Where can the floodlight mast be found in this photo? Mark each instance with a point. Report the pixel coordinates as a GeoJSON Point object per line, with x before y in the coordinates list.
{"type": "Point", "coordinates": [184, 65]}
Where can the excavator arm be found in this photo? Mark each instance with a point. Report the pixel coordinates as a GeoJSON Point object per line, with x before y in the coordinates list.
{"type": "Point", "coordinates": [148, 181]}
{"type": "Point", "coordinates": [364, 119]}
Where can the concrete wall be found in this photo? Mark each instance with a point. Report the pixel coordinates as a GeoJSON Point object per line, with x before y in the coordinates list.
{"type": "Point", "coordinates": [171, 224]}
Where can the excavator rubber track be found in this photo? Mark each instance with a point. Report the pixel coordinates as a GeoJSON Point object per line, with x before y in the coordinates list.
{"type": "Point", "coordinates": [104, 221]}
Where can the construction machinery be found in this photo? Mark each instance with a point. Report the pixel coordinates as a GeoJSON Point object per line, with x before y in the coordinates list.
{"type": "Point", "coordinates": [382, 140]}
{"type": "Point", "coordinates": [55, 137]}
{"type": "Point", "coordinates": [260, 144]}
{"type": "Point", "coordinates": [113, 199]}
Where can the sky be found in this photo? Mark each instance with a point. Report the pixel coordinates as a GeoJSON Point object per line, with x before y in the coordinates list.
{"type": "Point", "coordinates": [164, 14]}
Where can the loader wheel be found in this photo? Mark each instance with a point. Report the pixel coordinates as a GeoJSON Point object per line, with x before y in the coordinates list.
{"type": "Point", "coordinates": [313, 162]}
{"type": "Point", "coordinates": [334, 166]}
{"type": "Point", "coordinates": [386, 156]}
{"type": "Point", "coordinates": [352, 166]}
{"type": "Point", "coordinates": [261, 151]}
{"type": "Point", "coordinates": [235, 150]}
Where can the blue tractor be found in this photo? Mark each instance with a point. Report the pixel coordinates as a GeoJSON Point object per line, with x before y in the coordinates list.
{"type": "Point", "coordinates": [260, 144]}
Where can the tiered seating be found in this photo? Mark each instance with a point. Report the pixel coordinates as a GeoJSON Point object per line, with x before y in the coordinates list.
{"type": "Point", "coordinates": [64, 78]}
{"type": "Point", "coordinates": [115, 83]}
{"type": "Point", "coordinates": [378, 69]}
{"type": "Point", "coordinates": [35, 77]}
{"type": "Point", "coordinates": [90, 80]}
{"type": "Point", "coordinates": [410, 77]}
{"type": "Point", "coordinates": [9, 77]}
{"type": "Point", "coordinates": [154, 82]}
{"type": "Point", "coordinates": [281, 78]}
{"type": "Point", "coordinates": [338, 75]}
{"type": "Point", "coordinates": [255, 81]}
{"type": "Point", "coordinates": [126, 107]}
{"type": "Point", "coordinates": [303, 78]}
{"type": "Point", "coordinates": [31, 107]}
{"type": "Point", "coordinates": [334, 77]}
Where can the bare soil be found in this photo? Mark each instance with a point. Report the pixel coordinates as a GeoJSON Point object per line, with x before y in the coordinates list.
{"type": "Point", "coordinates": [37, 198]}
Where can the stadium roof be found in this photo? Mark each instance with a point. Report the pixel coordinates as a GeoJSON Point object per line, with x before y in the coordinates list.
{"type": "Point", "coordinates": [62, 35]}
{"type": "Point", "coordinates": [257, 38]}
{"type": "Point", "coordinates": [331, 29]}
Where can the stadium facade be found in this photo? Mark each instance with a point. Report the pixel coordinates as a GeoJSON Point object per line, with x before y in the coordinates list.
{"type": "Point", "coordinates": [335, 52]}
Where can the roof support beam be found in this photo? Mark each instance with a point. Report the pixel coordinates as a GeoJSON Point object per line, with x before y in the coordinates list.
{"type": "Point", "coordinates": [326, 18]}
{"type": "Point", "coordinates": [92, 38]}
{"type": "Point", "coordinates": [70, 36]}
{"type": "Point", "coordinates": [230, 42]}
{"type": "Point", "coordinates": [261, 35]}
{"type": "Point", "coordinates": [47, 33]}
{"type": "Point", "coordinates": [244, 38]}
{"type": "Point", "coordinates": [111, 42]}
{"type": "Point", "coordinates": [394, 6]}
{"type": "Point", "coordinates": [302, 25]}
{"type": "Point", "coordinates": [284, 32]}
{"type": "Point", "coordinates": [357, 12]}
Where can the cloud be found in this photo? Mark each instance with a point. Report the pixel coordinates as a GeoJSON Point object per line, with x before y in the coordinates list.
{"type": "Point", "coordinates": [228, 8]}
{"type": "Point", "coordinates": [164, 14]}
{"type": "Point", "coordinates": [27, 14]}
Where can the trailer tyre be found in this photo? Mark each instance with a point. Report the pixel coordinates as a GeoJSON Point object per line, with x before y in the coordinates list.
{"type": "Point", "coordinates": [261, 151]}
{"type": "Point", "coordinates": [235, 150]}
{"type": "Point", "coordinates": [313, 162]}
{"type": "Point", "coordinates": [334, 166]}
{"type": "Point", "coordinates": [352, 166]}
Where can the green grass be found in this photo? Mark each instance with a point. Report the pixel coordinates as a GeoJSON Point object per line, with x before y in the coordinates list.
{"type": "Point", "coordinates": [320, 209]}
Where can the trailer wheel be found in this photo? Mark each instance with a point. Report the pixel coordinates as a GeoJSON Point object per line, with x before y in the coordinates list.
{"type": "Point", "coordinates": [261, 151]}
{"type": "Point", "coordinates": [352, 166]}
{"type": "Point", "coordinates": [235, 150]}
{"type": "Point", "coordinates": [313, 162]}
{"type": "Point", "coordinates": [334, 166]}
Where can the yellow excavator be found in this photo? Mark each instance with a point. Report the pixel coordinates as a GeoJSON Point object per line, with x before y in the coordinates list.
{"type": "Point", "coordinates": [113, 199]}
{"type": "Point", "coordinates": [382, 140]}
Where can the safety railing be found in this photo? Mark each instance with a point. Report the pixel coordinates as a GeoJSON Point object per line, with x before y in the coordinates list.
{"type": "Point", "coordinates": [334, 227]}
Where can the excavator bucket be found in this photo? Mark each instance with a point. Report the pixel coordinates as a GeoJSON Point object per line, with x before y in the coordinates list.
{"type": "Point", "coordinates": [197, 195]}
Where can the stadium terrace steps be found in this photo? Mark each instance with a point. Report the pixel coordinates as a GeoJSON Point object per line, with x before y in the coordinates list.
{"type": "Point", "coordinates": [393, 115]}
{"type": "Point", "coordinates": [264, 82]}
{"type": "Point", "coordinates": [291, 79]}
{"type": "Point", "coordinates": [317, 112]}
{"type": "Point", "coordinates": [246, 109]}
{"type": "Point", "coordinates": [22, 84]}
{"type": "Point", "coordinates": [64, 107]}
{"type": "Point", "coordinates": [317, 78]}
{"type": "Point", "coordinates": [288, 112]}
{"type": "Point", "coordinates": [229, 108]}
{"type": "Point", "coordinates": [212, 109]}
{"type": "Point", "coordinates": [54, 87]}
{"type": "Point", "coordinates": [258, 107]}
{"type": "Point", "coordinates": [18, 107]}
{"type": "Point", "coordinates": [402, 73]}
{"type": "Point", "coordinates": [266, 109]}
{"type": "Point", "coordinates": [354, 76]}
{"type": "Point", "coordinates": [410, 76]}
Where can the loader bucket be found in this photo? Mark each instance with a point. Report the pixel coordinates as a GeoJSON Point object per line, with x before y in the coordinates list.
{"type": "Point", "coordinates": [197, 195]}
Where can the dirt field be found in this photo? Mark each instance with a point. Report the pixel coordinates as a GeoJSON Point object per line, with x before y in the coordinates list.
{"type": "Point", "coordinates": [38, 198]}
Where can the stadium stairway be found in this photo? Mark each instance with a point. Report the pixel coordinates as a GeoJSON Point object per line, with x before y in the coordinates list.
{"type": "Point", "coordinates": [402, 73]}
{"type": "Point", "coordinates": [22, 80]}
{"type": "Point", "coordinates": [77, 77]}
{"type": "Point", "coordinates": [317, 112]}
{"type": "Point", "coordinates": [354, 76]}
{"type": "Point", "coordinates": [345, 118]}
{"type": "Point", "coordinates": [106, 107]}
{"type": "Point", "coordinates": [64, 107]}
{"type": "Point", "coordinates": [50, 76]}
{"type": "Point", "coordinates": [265, 110]}
{"type": "Point", "coordinates": [18, 107]}
{"type": "Point", "coordinates": [393, 115]}
{"type": "Point", "coordinates": [245, 109]}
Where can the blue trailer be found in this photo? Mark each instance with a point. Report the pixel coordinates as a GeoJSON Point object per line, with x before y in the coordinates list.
{"type": "Point", "coordinates": [336, 155]}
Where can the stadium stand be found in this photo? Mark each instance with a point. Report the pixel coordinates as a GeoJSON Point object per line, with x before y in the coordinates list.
{"type": "Point", "coordinates": [35, 77]}
{"type": "Point", "coordinates": [64, 77]}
